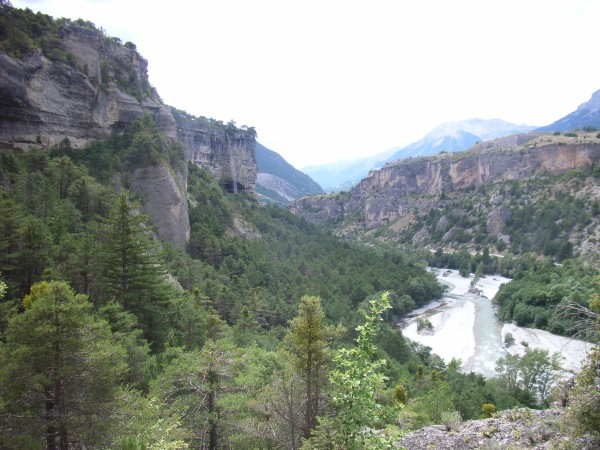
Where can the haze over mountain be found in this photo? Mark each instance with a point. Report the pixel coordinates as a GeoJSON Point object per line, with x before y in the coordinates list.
{"type": "Point", "coordinates": [342, 175]}
{"type": "Point", "coordinates": [278, 181]}
{"type": "Point", "coordinates": [457, 137]}
{"type": "Point", "coordinates": [586, 115]}
{"type": "Point", "coordinates": [449, 137]}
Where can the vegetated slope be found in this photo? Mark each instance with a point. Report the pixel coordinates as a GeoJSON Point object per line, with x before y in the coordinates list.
{"type": "Point", "coordinates": [66, 79]}
{"type": "Point", "coordinates": [278, 181]}
{"type": "Point", "coordinates": [516, 194]}
{"type": "Point", "coordinates": [110, 335]}
{"type": "Point", "coordinates": [587, 115]}
{"type": "Point", "coordinates": [549, 296]}
{"type": "Point", "coordinates": [237, 288]}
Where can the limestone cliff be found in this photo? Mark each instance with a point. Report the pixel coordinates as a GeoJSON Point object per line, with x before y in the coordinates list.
{"type": "Point", "coordinates": [102, 87]}
{"type": "Point", "coordinates": [401, 191]}
{"type": "Point", "coordinates": [163, 195]}
{"type": "Point", "coordinates": [43, 101]}
{"type": "Point", "coordinates": [385, 194]}
{"type": "Point", "coordinates": [228, 152]}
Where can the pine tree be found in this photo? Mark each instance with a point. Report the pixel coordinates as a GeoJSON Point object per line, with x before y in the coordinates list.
{"type": "Point", "coordinates": [307, 342]}
{"type": "Point", "coordinates": [131, 272]}
{"type": "Point", "coordinates": [192, 384]}
{"type": "Point", "coordinates": [59, 370]}
{"type": "Point", "coordinates": [355, 381]}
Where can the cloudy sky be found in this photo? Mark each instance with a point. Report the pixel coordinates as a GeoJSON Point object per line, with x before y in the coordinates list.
{"type": "Point", "coordinates": [328, 80]}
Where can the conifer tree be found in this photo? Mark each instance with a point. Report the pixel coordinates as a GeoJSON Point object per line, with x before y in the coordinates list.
{"type": "Point", "coordinates": [355, 380]}
{"type": "Point", "coordinates": [192, 385]}
{"type": "Point", "coordinates": [307, 342]}
{"type": "Point", "coordinates": [131, 272]}
{"type": "Point", "coordinates": [59, 370]}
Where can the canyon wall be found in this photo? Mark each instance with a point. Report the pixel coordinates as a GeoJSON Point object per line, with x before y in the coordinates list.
{"type": "Point", "coordinates": [390, 193]}
{"type": "Point", "coordinates": [103, 89]}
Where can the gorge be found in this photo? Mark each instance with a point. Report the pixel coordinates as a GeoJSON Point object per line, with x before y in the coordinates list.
{"type": "Point", "coordinates": [152, 295]}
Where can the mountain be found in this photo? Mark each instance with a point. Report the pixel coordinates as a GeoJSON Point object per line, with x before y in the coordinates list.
{"type": "Point", "coordinates": [586, 115]}
{"type": "Point", "coordinates": [278, 181]}
{"type": "Point", "coordinates": [343, 175]}
{"type": "Point", "coordinates": [535, 192]}
{"type": "Point", "coordinates": [447, 137]}
{"type": "Point", "coordinates": [457, 137]}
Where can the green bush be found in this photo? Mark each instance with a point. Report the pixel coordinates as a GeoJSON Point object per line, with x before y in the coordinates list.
{"type": "Point", "coordinates": [487, 410]}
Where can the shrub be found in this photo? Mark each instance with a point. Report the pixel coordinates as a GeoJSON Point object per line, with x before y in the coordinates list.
{"type": "Point", "coordinates": [424, 324]}
{"type": "Point", "coordinates": [400, 394]}
{"type": "Point", "coordinates": [451, 420]}
{"type": "Point", "coordinates": [487, 410]}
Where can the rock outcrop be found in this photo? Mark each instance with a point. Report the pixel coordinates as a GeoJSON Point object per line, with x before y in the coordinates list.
{"type": "Point", "coordinates": [511, 429]}
{"type": "Point", "coordinates": [229, 153]}
{"type": "Point", "coordinates": [163, 195]}
{"type": "Point", "coordinates": [43, 101]}
{"type": "Point", "coordinates": [392, 192]}
{"type": "Point", "coordinates": [103, 89]}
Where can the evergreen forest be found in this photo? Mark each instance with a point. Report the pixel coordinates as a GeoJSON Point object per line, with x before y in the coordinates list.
{"type": "Point", "coordinates": [114, 339]}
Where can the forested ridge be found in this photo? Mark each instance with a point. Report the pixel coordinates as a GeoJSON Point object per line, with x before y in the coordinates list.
{"type": "Point", "coordinates": [78, 255]}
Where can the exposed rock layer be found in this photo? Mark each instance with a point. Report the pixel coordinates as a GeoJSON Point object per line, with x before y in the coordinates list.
{"type": "Point", "coordinates": [391, 192]}
{"type": "Point", "coordinates": [164, 199]}
{"type": "Point", "coordinates": [44, 101]}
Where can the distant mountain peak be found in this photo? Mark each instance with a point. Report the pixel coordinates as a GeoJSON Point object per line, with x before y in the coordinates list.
{"type": "Point", "coordinates": [483, 128]}
{"type": "Point", "coordinates": [459, 136]}
{"type": "Point", "coordinates": [586, 115]}
{"type": "Point", "coordinates": [593, 104]}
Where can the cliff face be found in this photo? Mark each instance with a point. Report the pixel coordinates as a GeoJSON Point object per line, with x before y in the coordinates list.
{"type": "Point", "coordinates": [384, 192]}
{"type": "Point", "coordinates": [226, 152]}
{"type": "Point", "coordinates": [163, 195]}
{"type": "Point", "coordinates": [392, 192]}
{"type": "Point", "coordinates": [106, 87]}
{"type": "Point", "coordinates": [43, 101]}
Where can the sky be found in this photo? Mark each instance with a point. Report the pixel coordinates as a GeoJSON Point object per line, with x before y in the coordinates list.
{"type": "Point", "coordinates": [330, 80]}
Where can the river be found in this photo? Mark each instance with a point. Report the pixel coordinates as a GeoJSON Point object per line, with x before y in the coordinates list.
{"type": "Point", "coordinates": [465, 327]}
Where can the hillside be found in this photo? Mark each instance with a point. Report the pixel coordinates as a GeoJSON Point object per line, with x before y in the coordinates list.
{"type": "Point", "coordinates": [65, 82]}
{"type": "Point", "coordinates": [534, 192]}
{"type": "Point", "coordinates": [278, 181]}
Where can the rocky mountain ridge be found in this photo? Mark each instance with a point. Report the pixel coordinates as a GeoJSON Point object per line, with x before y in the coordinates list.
{"type": "Point", "coordinates": [447, 137]}
{"type": "Point", "coordinates": [101, 88]}
{"type": "Point", "coordinates": [391, 200]}
{"type": "Point", "coordinates": [587, 115]}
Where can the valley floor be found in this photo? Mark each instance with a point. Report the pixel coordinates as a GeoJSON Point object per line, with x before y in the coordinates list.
{"type": "Point", "coordinates": [465, 327]}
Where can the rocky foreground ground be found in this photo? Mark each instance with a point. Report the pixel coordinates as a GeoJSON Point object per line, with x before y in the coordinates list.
{"type": "Point", "coordinates": [511, 430]}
